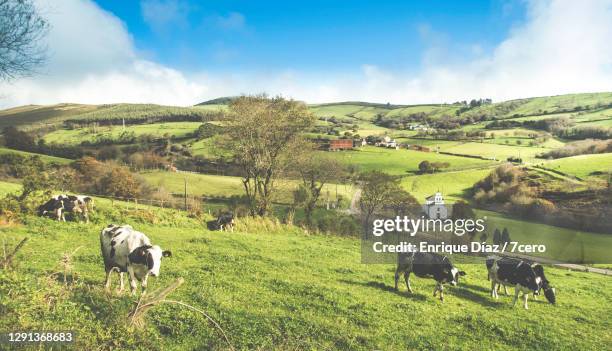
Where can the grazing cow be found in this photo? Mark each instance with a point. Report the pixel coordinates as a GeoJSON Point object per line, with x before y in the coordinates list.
{"type": "Point", "coordinates": [223, 222]}
{"type": "Point", "coordinates": [427, 265]}
{"type": "Point", "coordinates": [54, 208]}
{"type": "Point", "coordinates": [523, 276]}
{"type": "Point", "coordinates": [127, 250]}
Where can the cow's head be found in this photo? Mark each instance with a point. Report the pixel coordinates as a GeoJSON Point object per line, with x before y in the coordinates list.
{"type": "Point", "coordinates": [454, 275]}
{"type": "Point", "coordinates": [450, 274]}
{"type": "Point", "coordinates": [150, 256]}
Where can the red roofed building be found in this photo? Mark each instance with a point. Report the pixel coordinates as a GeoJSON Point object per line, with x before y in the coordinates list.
{"type": "Point", "coordinates": [340, 144]}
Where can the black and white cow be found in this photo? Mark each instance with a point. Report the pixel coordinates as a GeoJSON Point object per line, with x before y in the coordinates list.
{"type": "Point", "coordinates": [54, 208]}
{"type": "Point", "coordinates": [427, 265]}
{"type": "Point", "coordinates": [127, 250]}
{"type": "Point", "coordinates": [525, 277]}
{"type": "Point", "coordinates": [78, 205]}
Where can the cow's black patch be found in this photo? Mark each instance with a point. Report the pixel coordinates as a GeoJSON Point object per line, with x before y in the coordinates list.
{"type": "Point", "coordinates": [139, 255]}
{"type": "Point", "coordinates": [150, 261]}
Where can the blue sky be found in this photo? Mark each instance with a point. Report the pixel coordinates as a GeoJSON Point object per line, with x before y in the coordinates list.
{"type": "Point", "coordinates": [316, 36]}
{"type": "Point", "coordinates": [182, 52]}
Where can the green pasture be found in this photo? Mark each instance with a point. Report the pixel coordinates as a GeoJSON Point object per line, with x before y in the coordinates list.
{"type": "Point", "coordinates": [226, 186]}
{"type": "Point", "coordinates": [498, 151]}
{"type": "Point", "coordinates": [402, 162]}
{"type": "Point", "coordinates": [6, 187]}
{"type": "Point", "coordinates": [44, 158]}
{"type": "Point", "coordinates": [582, 166]}
{"type": "Point", "coordinates": [76, 136]}
{"type": "Point", "coordinates": [452, 185]}
{"type": "Point", "coordinates": [562, 244]}
{"type": "Point", "coordinates": [274, 287]}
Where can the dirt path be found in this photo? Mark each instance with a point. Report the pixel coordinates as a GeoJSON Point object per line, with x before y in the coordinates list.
{"type": "Point", "coordinates": [354, 209]}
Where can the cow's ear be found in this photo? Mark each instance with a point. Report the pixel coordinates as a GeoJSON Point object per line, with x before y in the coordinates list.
{"type": "Point", "coordinates": [462, 273]}
{"type": "Point", "coordinates": [167, 253]}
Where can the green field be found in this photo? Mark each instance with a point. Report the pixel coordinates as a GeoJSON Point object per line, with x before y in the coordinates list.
{"type": "Point", "coordinates": [44, 158]}
{"type": "Point", "coordinates": [562, 244]}
{"type": "Point", "coordinates": [91, 134]}
{"type": "Point", "coordinates": [582, 166]}
{"type": "Point", "coordinates": [273, 287]}
{"type": "Point", "coordinates": [401, 162]}
{"type": "Point", "coordinates": [6, 187]}
{"type": "Point", "coordinates": [497, 151]}
{"type": "Point", "coordinates": [34, 116]}
{"type": "Point", "coordinates": [452, 184]}
{"type": "Point", "coordinates": [226, 186]}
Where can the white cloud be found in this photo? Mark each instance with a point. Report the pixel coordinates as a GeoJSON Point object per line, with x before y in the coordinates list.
{"type": "Point", "coordinates": [160, 15]}
{"type": "Point", "coordinates": [561, 47]}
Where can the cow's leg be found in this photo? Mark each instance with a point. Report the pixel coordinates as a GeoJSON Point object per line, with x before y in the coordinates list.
{"type": "Point", "coordinates": [143, 283]}
{"type": "Point", "coordinates": [132, 278]}
{"type": "Point", "coordinates": [397, 275]}
{"type": "Point", "coordinates": [107, 284]}
{"type": "Point", "coordinates": [407, 279]}
{"type": "Point", "coordinates": [506, 290]}
{"type": "Point", "coordinates": [436, 289]}
{"type": "Point", "coordinates": [493, 288]}
{"type": "Point", "coordinates": [441, 292]}
{"type": "Point", "coordinates": [121, 285]}
{"type": "Point", "coordinates": [525, 297]}
{"type": "Point", "coordinates": [517, 290]}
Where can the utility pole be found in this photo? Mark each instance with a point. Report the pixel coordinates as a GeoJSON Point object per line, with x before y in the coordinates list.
{"type": "Point", "coordinates": [185, 179]}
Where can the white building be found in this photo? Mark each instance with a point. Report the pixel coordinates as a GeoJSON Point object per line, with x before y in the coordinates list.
{"type": "Point", "coordinates": [434, 207]}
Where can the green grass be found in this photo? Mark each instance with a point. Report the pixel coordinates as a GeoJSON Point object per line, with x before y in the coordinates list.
{"type": "Point", "coordinates": [274, 287]}
{"type": "Point", "coordinates": [452, 184]}
{"type": "Point", "coordinates": [44, 158]}
{"type": "Point", "coordinates": [500, 152]}
{"type": "Point", "coordinates": [76, 136]}
{"type": "Point", "coordinates": [582, 166]}
{"type": "Point", "coordinates": [226, 186]}
{"type": "Point", "coordinates": [6, 187]}
{"type": "Point", "coordinates": [400, 162]}
{"type": "Point", "coordinates": [562, 244]}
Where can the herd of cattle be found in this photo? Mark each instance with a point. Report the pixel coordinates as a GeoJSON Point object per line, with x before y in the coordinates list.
{"type": "Point", "coordinates": [127, 250]}
{"type": "Point", "coordinates": [526, 277]}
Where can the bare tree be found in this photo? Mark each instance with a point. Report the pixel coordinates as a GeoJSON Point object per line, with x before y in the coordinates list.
{"type": "Point", "coordinates": [378, 188]}
{"type": "Point", "coordinates": [261, 132]}
{"type": "Point", "coordinates": [21, 30]}
{"type": "Point", "coordinates": [315, 170]}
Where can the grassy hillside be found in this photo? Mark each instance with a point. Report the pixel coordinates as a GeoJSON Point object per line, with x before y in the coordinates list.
{"type": "Point", "coordinates": [44, 158]}
{"type": "Point", "coordinates": [76, 136]}
{"type": "Point", "coordinates": [37, 116]}
{"type": "Point", "coordinates": [225, 186]}
{"type": "Point", "coordinates": [34, 116]}
{"type": "Point", "coordinates": [274, 287]}
{"type": "Point", "coordinates": [561, 243]}
{"type": "Point", "coordinates": [402, 162]}
{"type": "Point", "coordinates": [582, 166]}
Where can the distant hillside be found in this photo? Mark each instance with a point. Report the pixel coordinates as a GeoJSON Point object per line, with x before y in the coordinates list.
{"type": "Point", "coordinates": [357, 112]}
{"type": "Point", "coordinates": [218, 101]}
{"type": "Point", "coordinates": [33, 116]}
